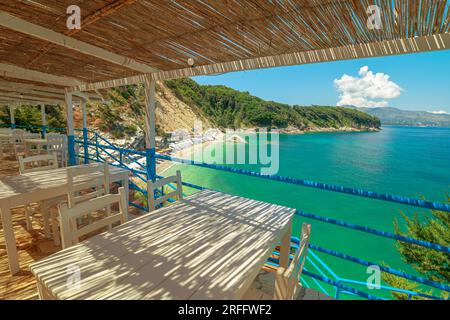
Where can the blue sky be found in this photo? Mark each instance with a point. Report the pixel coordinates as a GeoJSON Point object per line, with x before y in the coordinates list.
{"type": "Point", "coordinates": [422, 80]}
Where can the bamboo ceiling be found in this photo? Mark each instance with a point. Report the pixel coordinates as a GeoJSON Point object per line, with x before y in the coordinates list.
{"type": "Point", "coordinates": [163, 35]}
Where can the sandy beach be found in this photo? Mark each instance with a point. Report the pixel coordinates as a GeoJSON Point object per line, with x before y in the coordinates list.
{"type": "Point", "coordinates": [186, 153]}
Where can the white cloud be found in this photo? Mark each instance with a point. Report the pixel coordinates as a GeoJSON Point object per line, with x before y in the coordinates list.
{"type": "Point", "coordinates": [439, 112]}
{"type": "Point", "coordinates": [368, 90]}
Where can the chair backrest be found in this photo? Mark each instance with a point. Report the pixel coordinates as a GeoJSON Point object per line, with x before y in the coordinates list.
{"type": "Point", "coordinates": [159, 184]}
{"type": "Point", "coordinates": [37, 163]}
{"type": "Point", "coordinates": [6, 142]}
{"type": "Point", "coordinates": [57, 144]}
{"type": "Point", "coordinates": [32, 135]}
{"type": "Point", "coordinates": [87, 182]}
{"type": "Point", "coordinates": [18, 135]}
{"type": "Point", "coordinates": [287, 280]}
{"type": "Point", "coordinates": [71, 233]}
{"type": "Point", "coordinates": [5, 130]}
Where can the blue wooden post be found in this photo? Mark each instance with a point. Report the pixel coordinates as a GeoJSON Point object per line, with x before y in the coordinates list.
{"type": "Point", "coordinates": [86, 147]}
{"type": "Point", "coordinates": [150, 128]}
{"type": "Point", "coordinates": [85, 132]}
{"type": "Point", "coordinates": [71, 146]}
{"type": "Point", "coordinates": [11, 115]}
{"type": "Point", "coordinates": [70, 129]}
{"type": "Point", "coordinates": [150, 164]}
{"type": "Point", "coordinates": [44, 121]}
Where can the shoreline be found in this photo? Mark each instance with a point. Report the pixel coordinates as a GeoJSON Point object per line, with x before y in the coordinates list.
{"type": "Point", "coordinates": [292, 130]}
{"type": "Point", "coordinates": [185, 153]}
{"type": "Point", "coordinates": [331, 130]}
{"type": "Point", "coordinates": [188, 152]}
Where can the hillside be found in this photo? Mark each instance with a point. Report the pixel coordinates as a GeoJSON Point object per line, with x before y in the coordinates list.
{"type": "Point", "coordinates": [181, 102]}
{"type": "Point", "coordinates": [394, 116]}
{"type": "Point", "coordinates": [229, 108]}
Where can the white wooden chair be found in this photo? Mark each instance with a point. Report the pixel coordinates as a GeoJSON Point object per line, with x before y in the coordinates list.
{"type": "Point", "coordinates": [32, 135]}
{"type": "Point", "coordinates": [83, 183]}
{"type": "Point", "coordinates": [18, 136]}
{"type": "Point", "coordinates": [71, 233]}
{"type": "Point", "coordinates": [285, 283]}
{"type": "Point", "coordinates": [6, 145]}
{"type": "Point", "coordinates": [37, 163]}
{"type": "Point", "coordinates": [82, 189]}
{"type": "Point", "coordinates": [33, 149]}
{"type": "Point", "coordinates": [57, 144]}
{"type": "Point", "coordinates": [159, 184]}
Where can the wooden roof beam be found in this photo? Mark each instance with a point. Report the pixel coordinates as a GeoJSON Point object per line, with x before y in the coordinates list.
{"type": "Point", "coordinates": [31, 92]}
{"type": "Point", "coordinates": [19, 97]}
{"type": "Point", "coordinates": [12, 71]}
{"type": "Point", "coordinates": [20, 85]}
{"type": "Point", "coordinates": [350, 52]}
{"type": "Point", "coordinates": [14, 23]}
{"type": "Point", "coordinates": [43, 91]}
{"type": "Point", "coordinates": [19, 102]}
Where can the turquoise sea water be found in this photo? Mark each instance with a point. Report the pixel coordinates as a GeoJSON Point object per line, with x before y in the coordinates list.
{"type": "Point", "coordinates": [407, 161]}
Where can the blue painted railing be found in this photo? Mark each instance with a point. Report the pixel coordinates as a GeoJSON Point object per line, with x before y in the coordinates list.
{"type": "Point", "coordinates": [96, 147]}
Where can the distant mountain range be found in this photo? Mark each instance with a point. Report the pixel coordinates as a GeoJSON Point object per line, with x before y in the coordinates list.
{"type": "Point", "coordinates": [394, 116]}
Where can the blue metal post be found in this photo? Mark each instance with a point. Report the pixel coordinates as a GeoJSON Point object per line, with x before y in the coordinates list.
{"type": "Point", "coordinates": [96, 148]}
{"type": "Point", "coordinates": [44, 131]}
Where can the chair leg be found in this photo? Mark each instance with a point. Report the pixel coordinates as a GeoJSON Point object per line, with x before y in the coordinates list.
{"type": "Point", "coordinates": [55, 230]}
{"type": "Point", "coordinates": [46, 218]}
{"type": "Point", "coordinates": [28, 214]}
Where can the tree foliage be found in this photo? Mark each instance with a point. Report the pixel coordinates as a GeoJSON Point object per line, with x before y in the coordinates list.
{"type": "Point", "coordinates": [230, 108]}
{"type": "Point", "coordinates": [123, 113]}
{"type": "Point", "coordinates": [27, 115]}
{"type": "Point", "coordinates": [434, 265]}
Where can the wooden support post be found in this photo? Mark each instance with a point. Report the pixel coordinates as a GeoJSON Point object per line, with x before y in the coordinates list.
{"type": "Point", "coordinates": [44, 121]}
{"type": "Point", "coordinates": [150, 128]}
{"type": "Point", "coordinates": [70, 129]}
{"type": "Point", "coordinates": [285, 247]}
{"type": "Point", "coordinates": [11, 114]}
{"type": "Point", "coordinates": [85, 131]}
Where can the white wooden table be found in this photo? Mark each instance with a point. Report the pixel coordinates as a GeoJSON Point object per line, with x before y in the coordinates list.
{"type": "Point", "coordinates": [33, 187]}
{"type": "Point", "coordinates": [208, 246]}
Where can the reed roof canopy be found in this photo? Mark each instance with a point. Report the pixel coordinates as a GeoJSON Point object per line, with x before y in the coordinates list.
{"type": "Point", "coordinates": [130, 41]}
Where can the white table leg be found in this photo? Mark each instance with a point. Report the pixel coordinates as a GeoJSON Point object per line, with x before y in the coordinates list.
{"type": "Point", "coordinates": [10, 240]}
{"type": "Point", "coordinates": [126, 186]}
{"type": "Point", "coordinates": [26, 150]}
{"type": "Point", "coordinates": [285, 247]}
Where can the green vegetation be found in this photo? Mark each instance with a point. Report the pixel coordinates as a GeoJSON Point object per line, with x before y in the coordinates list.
{"type": "Point", "coordinates": [31, 116]}
{"type": "Point", "coordinates": [122, 115]}
{"type": "Point", "coordinates": [227, 107]}
{"type": "Point", "coordinates": [432, 264]}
